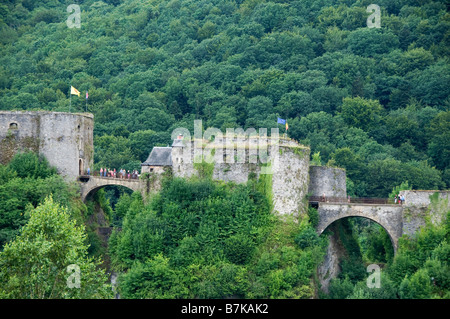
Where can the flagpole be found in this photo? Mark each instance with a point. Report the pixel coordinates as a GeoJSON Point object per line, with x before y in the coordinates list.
{"type": "Point", "coordinates": [70, 105]}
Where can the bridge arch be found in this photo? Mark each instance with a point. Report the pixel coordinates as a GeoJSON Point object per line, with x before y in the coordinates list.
{"type": "Point", "coordinates": [91, 184]}
{"type": "Point", "coordinates": [93, 190]}
{"type": "Point", "coordinates": [387, 216]}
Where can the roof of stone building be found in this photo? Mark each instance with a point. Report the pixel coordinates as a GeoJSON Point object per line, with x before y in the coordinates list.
{"type": "Point", "coordinates": [159, 156]}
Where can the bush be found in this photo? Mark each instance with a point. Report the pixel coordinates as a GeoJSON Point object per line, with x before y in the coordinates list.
{"type": "Point", "coordinates": [385, 291]}
{"type": "Point", "coordinates": [418, 286]}
{"type": "Point", "coordinates": [30, 165]}
{"type": "Point", "coordinates": [313, 215]}
{"type": "Point", "coordinates": [307, 238]}
{"type": "Point", "coordinates": [239, 248]}
{"type": "Point", "coordinates": [340, 288]}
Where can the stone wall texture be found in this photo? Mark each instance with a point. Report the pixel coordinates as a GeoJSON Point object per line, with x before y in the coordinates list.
{"type": "Point", "coordinates": [328, 181]}
{"type": "Point", "coordinates": [422, 203]}
{"type": "Point", "coordinates": [284, 161]}
{"type": "Point", "coordinates": [64, 139]}
{"type": "Point", "coordinates": [290, 180]}
{"type": "Point", "coordinates": [329, 268]}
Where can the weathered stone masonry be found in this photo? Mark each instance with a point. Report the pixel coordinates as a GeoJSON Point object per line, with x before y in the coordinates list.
{"type": "Point", "coordinates": [287, 168]}
{"type": "Point", "coordinates": [65, 139]}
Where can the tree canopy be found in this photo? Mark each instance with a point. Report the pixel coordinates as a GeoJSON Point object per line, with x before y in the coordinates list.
{"type": "Point", "coordinates": [152, 66]}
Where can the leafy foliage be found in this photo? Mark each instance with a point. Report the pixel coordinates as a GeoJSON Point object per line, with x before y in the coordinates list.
{"type": "Point", "coordinates": [25, 182]}
{"type": "Point", "coordinates": [154, 66]}
{"type": "Point", "coordinates": [200, 239]}
{"type": "Point", "coordinates": [34, 264]}
{"type": "Point", "coordinates": [374, 101]}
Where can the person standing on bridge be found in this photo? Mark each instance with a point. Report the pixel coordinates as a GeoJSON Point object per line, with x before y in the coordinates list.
{"type": "Point", "coordinates": [89, 171]}
{"type": "Point", "coordinates": [101, 171]}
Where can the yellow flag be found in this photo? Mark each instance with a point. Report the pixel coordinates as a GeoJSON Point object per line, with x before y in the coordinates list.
{"type": "Point", "coordinates": [74, 91]}
{"type": "Point", "coordinates": [287, 126]}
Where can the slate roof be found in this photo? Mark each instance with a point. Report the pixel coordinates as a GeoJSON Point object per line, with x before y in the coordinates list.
{"type": "Point", "coordinates": [159, 156]}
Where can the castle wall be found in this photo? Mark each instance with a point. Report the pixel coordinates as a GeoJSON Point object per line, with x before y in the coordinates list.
{"type": "Point", "coordinates": [65, 139]}
{"type": "Point", "coordinates": [152, 169]}
{"type": "Point", "coordinates": [422, 204]}
{"type": "Point", "coordinates": [290, 180]}
{"type": "Point", "coordinates": [287, 171]}
{"type": "Point", "coordinates": [24, 136]}
{"type": "Point", "coordinates": [182, 160]}
{"type": "Point", "coordinates": [328, 181]}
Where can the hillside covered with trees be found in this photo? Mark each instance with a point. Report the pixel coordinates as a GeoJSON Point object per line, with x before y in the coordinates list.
{"type": "Point", "coordinates": [374, 101]}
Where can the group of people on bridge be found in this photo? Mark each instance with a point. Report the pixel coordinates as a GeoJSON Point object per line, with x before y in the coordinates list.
{"type": "Point", "coordinates": [113, 173]}
{"type": "Point", "coordinates": [399, 199]}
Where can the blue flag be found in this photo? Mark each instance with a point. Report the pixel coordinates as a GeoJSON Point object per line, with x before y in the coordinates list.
{"type": "Point", "coordinates": [281, 121]}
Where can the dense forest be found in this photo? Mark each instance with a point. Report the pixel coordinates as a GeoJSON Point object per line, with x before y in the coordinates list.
{"type": "Point", "coordinates": [374, 101]}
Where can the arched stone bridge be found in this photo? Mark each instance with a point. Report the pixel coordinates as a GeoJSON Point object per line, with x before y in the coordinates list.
{"type": "Point", "coordinates": [390, 217]}
{"type": "Point", "coordinates": [91, 184]}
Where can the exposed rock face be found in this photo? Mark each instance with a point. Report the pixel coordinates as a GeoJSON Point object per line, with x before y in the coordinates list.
{"type": "Point", "coordinates": [329, 268]}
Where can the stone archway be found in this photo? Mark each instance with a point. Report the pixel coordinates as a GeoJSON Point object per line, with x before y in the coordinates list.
{"type": "Point", "coordinates": [92, 184]}
{"type": "Point", "coordinates": [387, 216]}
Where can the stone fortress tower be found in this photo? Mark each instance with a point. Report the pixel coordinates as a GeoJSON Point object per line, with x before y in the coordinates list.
{"type": "Point", "coordinates": [65, 139]}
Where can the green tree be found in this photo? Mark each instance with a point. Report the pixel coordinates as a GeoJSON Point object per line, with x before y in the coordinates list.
{"type": "Point", "coordinates": [30, 165]}
{"type": "Point", "coordinates": [418, 286]}
{"type": "Point", "coordinates": [35, 264]}
{"type": "Point", "coordinates": [361, 113]}
{"type": "Point", "coordinates": [428, 85]}
{"type": "Point", "coordinates": [369, 42]}
{"type": "Point", "coordinates": [439, 132]}
{"type": "Point", "coordinates": [403, 186]}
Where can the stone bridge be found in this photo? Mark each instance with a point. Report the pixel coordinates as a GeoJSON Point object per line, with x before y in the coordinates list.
{"type": "Point", "coordinates": [390, 217]}
{"type": "Point", "coordinates": [91, 184]}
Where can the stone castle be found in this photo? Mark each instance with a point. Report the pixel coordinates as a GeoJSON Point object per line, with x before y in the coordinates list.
{"type": "Point", "coordinates": [66, 140]}
{"type": "Point", "coordinates": [236, 159]}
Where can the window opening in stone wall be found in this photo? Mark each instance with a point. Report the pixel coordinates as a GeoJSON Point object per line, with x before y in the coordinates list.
{"type": "Point", "coordinates": [13, 126]}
